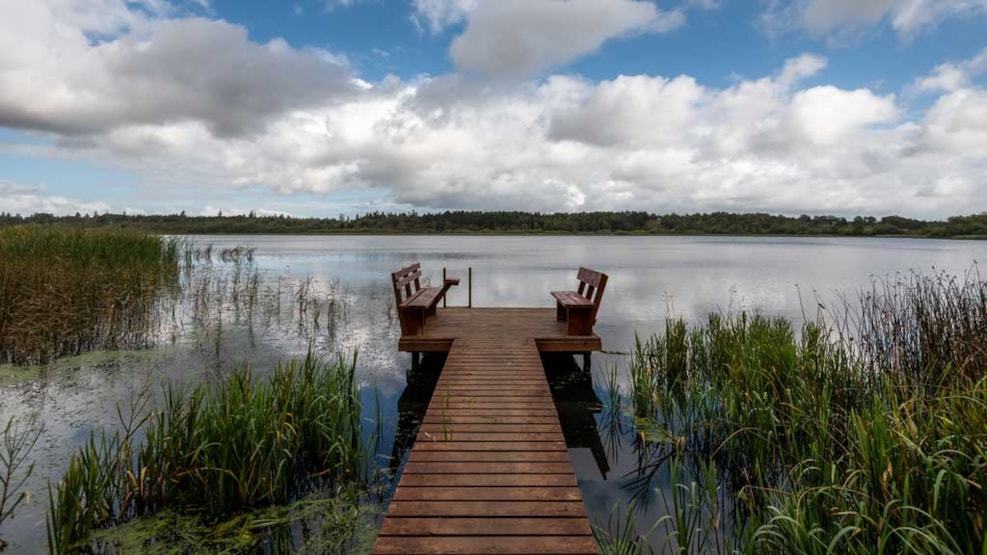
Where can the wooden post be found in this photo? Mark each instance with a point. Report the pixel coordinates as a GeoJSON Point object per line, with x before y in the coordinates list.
{"type": "Point", "coordinates": [470, 287]}
{"type": "Point", "coordinates": [443, 281]}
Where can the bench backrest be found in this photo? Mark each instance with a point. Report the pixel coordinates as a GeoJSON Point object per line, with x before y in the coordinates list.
{"type": "Point", "coordinates": [403, 280]}
{"type": "Point", "coordinates": [591, 286]}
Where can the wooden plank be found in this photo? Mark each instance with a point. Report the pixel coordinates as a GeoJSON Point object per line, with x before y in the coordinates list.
{"type": "Point", "coordinates": [491, 446]}
{"type": "Point", "coordinates": [488, 493]}
{"type": "Point", "coordinates": [487, 468]}
{"type": "Point", "coordinates": [487, 508]}
{"type": "Point", "coordinates": [490, 419]}
{"type": "Point", "coordinates": [496, 428]}
{"type": "Point", "coordinates": [486, 527]}
{"type": "Point", "coordinates": [473, 411]}
{"type": "Point", "coordinates": [511, 437]}
{"type": "Point", "coordinates": [488, 480]}
{"type": "Point", "coordinates": [509, 392]}
{"type": "Point", "coordinates": [571, 298]}
{"type": "Point", "coordinates": [489, 471]}
{"type": "Point", "coordinates": [489, 456]}
{"type": "Point", "coordinates": [490, 404]}
{"type": "Point", "coordinates": [534, 381]}
{"type": "Point", "coordinates": [584, 545]}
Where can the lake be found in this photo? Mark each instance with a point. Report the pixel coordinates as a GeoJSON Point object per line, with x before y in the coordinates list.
{"type": "Point", "coordinates": [651, 278]}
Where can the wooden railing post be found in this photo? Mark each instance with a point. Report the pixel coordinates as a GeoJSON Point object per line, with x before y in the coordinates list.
{"type": "Point", "coordinates": [470, 287]}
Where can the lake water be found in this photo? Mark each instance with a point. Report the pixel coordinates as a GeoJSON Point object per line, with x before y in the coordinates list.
{"type": "Point", "coordinates": [651, 278]}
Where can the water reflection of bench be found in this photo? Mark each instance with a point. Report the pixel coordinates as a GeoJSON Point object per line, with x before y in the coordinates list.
{"type": "Point", "coordinates": [578, 405]}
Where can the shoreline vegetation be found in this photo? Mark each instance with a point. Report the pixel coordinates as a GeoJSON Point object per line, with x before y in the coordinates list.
{"type": "Point", "coordinates": [67, 291]}
{"type": "Point", "coordinates": [218, 452]}
{"type": "Point", "coordinates": [863, 433]}
{"type": "Point", "coordinates": [562, 223]}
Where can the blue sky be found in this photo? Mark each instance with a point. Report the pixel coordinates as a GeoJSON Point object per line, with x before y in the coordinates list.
{"type": "Point", "coordinates": [325, 108]}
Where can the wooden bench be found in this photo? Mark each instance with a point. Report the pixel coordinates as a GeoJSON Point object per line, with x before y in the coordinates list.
{"type": "Point", "coordinates": [579, 307]}
{"type": "Point", "coordinates": [416, 304]}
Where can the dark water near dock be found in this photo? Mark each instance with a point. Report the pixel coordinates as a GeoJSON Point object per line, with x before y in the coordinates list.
{"type": "Point", "coordinates": [650, 278]}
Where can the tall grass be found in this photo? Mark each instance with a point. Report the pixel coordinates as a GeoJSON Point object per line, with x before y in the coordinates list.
{"type": "Point", "coordinates": [237, 444]}
{"type": "Point", "coordinates": [66, 291]}
{"type": "Point", "coordinates": [847, 439]}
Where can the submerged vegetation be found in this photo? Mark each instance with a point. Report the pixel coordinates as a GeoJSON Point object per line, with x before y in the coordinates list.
{"type": "Point", "coordinates": [66, 291]}
{"type": "Point", "coordinates": [863, 436]}
{"type": "Point", "coordinates": [220, 450]}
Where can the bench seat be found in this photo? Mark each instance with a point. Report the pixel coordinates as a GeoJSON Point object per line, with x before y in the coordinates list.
{"type": "Point", "coordinates": [415, 305]}
{"type": "Point", "coordinates": [571, 298]}
{"type": "Point", "coordinates": [423, 298]}
{"type": "Point", "coordinates": [578, 308]}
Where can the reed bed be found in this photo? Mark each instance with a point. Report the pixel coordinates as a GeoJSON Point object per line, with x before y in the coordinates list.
{"type": "Point", "coordinates": [67, 291]}
{"type": "Point", "coordinates": [867, 436]}
{"type": "Point", "coordinates": [224, 448]}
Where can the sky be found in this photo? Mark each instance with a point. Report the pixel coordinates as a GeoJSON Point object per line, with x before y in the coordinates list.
{"type": "Point", "coordinates": [342, 107]}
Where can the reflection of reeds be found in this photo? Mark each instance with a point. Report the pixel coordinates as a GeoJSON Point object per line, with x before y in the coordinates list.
{"type": "Point", "coordinates": [869, 434]}
{"type": "Point", "coordinates": [68, 291]}
{"type": "Point", "coordinates": [237, 444]}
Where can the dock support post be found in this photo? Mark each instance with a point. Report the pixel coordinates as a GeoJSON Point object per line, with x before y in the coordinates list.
{"type": "Point", "coordinates": [416, 360]}
{"type": "Point", "coordinates": [443, 281]}
{"type": "Point", "coordinates": [470, 283]}
{"type": "Point", "coordinates": [587, 361]}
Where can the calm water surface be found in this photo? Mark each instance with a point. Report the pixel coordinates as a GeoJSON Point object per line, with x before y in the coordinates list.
{"type": "Point", "coordinates": [651, 278]}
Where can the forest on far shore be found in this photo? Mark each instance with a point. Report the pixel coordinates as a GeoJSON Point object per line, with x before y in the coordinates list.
{"type": "Point", "coordinates": [715, 223]}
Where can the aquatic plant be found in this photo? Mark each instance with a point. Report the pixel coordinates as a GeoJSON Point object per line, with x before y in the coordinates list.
{"type": "Point", "coordinates": [230, 446]}
{"type": "Point", "coordinates": [17, 439]}
{"type": "Point", "coordinates": [827, 440]}
{"type": "Point", "coordinates": [67, 291]}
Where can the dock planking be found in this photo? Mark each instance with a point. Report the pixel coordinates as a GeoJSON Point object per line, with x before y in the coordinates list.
{"type": "Point", "coordinates": [489, 471]}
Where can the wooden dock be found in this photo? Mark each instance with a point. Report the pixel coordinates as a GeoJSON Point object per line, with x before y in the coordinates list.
{"type": "Point", "coordinates": [489, 471]}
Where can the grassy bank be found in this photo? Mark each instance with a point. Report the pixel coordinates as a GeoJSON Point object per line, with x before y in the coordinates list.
{"type": "Point", "coordinates": [863, 436]}
{"type": "Point", "coordinates": [217, 451]}
{"type": "Point", "coordinates": [66, 291]}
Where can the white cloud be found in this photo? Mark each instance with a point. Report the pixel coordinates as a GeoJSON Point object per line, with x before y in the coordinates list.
{"type": "Point", "coordinates": [838, 18]}
{"type": "Point", "coordinates": [641, 142]}
{"type": "Point", "coordinates": [520, 38]}
{"type": "Point", "coordinates": [437, 15]}
{"type": "Point", "coordinates": [149, 71]}
{"type": "Point", "coordinates": [16, 199]}
{"type": "Point", "coordinates": [827, 115]}
{"type": "Point", "coordinates": [952, 76]}
{"type": "Point", "coordinates": [634, 142]}
{"type": "Point", "coordinates": [801, 67]}
{"type": "Point", "coordinates": [956, 126]}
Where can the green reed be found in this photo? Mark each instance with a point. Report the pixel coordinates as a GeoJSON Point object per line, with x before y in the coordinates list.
{"type": "Point", "coordinates": [67, 291]}
{"type": "Point", "coordinates": [230, 446]}
{"type": "Point", "coordinates": [867, 438]}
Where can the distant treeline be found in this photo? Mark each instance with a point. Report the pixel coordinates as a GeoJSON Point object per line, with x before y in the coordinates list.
{"type": "Point", "coordinates": [716, 223]}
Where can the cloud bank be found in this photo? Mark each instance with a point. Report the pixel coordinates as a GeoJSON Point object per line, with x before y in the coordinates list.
{"type": "Point", "coordinates": [842, 17]}
{"type": "Point", "coordinates": [188, 100]}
